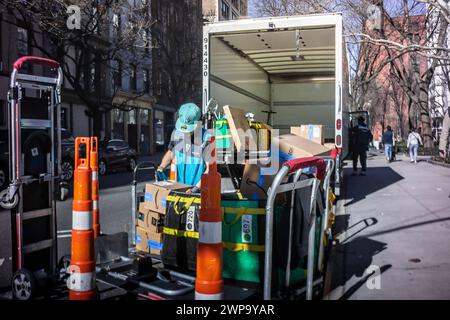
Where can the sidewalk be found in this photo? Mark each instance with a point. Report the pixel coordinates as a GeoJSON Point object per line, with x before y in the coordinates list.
{"type": "Point", "coordinates": [396, 218]}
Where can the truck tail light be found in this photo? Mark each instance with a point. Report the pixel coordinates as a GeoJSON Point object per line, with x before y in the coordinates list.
{"type": "Point", "coordinates": [338, 124]}
{"type": "Point", "coordinates": [338, 140]}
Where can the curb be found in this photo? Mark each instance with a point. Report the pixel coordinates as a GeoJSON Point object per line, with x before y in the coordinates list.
{"type": "Point", "coordinates": [437, 163]}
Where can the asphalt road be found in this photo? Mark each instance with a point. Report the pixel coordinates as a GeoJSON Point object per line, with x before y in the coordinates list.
{"type": "Point", "coordinates": [115, 214]}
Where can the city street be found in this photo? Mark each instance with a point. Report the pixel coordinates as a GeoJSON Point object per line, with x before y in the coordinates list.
{"type": "Point", "coordinates": [397, 220]}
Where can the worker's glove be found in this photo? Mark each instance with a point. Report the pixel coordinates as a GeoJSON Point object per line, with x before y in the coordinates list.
{"type": "Point", "coordinates": [160, 175]}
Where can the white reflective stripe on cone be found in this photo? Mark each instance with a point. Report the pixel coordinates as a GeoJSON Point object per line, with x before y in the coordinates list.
{"type": "Point", "coordinates": [204, 296]}
{"type": "Point", "coordinates": [210, 232]}
{"type": "Point", "coordinates": [94, 175]}
{"type": "Point", "coordinates": [82, 220]}
{"type": "Point", "coordinates": [95, 204]}
{"type": "Point", "coordinates": [81, 281]}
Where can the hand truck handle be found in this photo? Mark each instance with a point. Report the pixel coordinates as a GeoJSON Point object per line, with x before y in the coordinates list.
{"type": "Point", "coordinates": [36, 60]}
{"type": "Point", "coordinates": [300, 163]}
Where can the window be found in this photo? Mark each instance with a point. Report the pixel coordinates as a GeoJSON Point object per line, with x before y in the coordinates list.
{"type": "Point", "coordinates": [225, 9]}
{"type": "Point", "coordinates": [117, 74]}
{"type": "Point", "coordinates": [146, 80]}
{"type": "Point", "coordinates": [132, 117]}
{"type": "Point", "coordinates": [169, 85]}
{"type": "Point", "coordinates": [92, 77]}
{"type": "Point", "coordinates": [159, 84]}
{"type": "Point", "coordinates": [145, 116]}
{"type": "Point", "coordinates": [133, 78]}
{"type": "Point", "coordinates": [118, 116]}
{"type": "Point", "coordinates": [23, 48]}
{"type": "Point", "coordinates": [117, 22]}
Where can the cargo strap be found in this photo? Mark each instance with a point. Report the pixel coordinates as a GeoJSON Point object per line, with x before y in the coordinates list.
{"type": "Point", "coordinates": [224, 136]}
{"type": "Point", "coordinates": [239, 212]}
{"type": "Point", "coordinates": [180, 233]}
{"type": "Point", "coordinates": [221, 122]}
{"type": "Point", "coordinates": [188, 201]}
{"type": "Point", "coordinates": [243, 247]}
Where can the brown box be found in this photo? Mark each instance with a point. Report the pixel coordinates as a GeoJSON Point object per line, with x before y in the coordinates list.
{"type": "Point", "coordinates": [312, 132]}
{"type": "Point", "coordinates": [243, 136]}
{"type": "Point", "coordinates": [292, 146]}
{"type": "Point", "coordinates": [150, 220]}
{"type": "Point", "coordinates": [148, 241]}
{"type": "Point", "coordinates": [156, 194]}
{"type": "Point", "coordinates": [255, 183]}
{"type": "Point", "coordinates": [264, 137]}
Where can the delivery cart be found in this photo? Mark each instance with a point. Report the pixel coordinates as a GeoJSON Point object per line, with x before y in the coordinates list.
{"type": "Point", "coordinates": [35, 159]}
{"type": "Point", "coordinates": [143, 275]}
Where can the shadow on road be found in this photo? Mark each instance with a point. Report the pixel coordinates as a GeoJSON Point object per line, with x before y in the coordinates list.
{"type": "Point", "coordinates": [358, 187]}
{"type": "Point", "coordinates": [356, 257]}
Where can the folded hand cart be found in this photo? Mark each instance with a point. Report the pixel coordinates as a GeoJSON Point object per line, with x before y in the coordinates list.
{"type": "Point", "coordinates": [35, 154]}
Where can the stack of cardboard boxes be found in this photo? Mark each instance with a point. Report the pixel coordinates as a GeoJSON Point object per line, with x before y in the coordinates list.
{"type": "Point", "coordinates": [150, 220]}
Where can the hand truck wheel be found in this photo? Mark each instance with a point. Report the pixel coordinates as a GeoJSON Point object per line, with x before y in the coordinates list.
{"type": "Point", "coordinates": [7, 203]}
{"type": "Point", "coordinates": [24, 285]}
{"type": "Point", "coordinates": [63, 268]}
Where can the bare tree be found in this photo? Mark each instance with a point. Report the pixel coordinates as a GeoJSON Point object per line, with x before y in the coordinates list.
{"type": "Point", "coordinates": [109, 31]}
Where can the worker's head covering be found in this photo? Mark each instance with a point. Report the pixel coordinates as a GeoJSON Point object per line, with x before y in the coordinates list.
{"type": "Point", "coordinates": [361, 119]}
{"type": "Point", "coordinates": [188, 116]}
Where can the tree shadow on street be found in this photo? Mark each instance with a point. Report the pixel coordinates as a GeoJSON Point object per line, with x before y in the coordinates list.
{"type": "Point", "coordinates": [377, 178]}
{"type": "Point", "coordinates": [353, 258]}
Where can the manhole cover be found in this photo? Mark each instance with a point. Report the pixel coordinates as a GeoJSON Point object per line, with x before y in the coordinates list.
{"type": "Point", "coordinates": [415, 260]}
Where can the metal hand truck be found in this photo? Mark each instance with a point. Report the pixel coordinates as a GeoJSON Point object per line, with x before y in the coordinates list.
{"type": "Point", "coordinates": [35, 160]}
{"type": "Point", "coordinates": [294, 168]}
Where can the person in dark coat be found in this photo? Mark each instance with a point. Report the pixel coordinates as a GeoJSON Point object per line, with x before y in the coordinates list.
{"type": "Point", "coordinates": [360, 140]}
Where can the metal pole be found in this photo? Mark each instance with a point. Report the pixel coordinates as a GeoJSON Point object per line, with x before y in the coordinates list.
{"type": "Point", "coordinates": [291, 221]}
{"type": "Point", "coordinates": [311, 242]}
{"type": "Point", "coordinates": [269, 231]}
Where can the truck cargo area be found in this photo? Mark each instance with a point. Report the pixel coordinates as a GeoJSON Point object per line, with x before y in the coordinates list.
{"type": "Point", "coordinates": [289, 66]}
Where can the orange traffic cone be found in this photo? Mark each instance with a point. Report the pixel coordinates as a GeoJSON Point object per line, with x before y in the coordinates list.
{"type": "Point", "coordinates": [209, 282]}
{"type": "Point", "coordinates": [95, 185]}
{"type": "Point", "coordinates": [81, 282]}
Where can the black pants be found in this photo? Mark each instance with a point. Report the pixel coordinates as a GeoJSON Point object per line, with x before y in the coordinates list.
{"type": "Point", "coordinates": [362, 159]}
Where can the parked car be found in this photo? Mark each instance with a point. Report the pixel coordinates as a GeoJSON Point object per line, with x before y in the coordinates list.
{"type": "Point", "coordinates": [4, 165]}
{"type": "Point", "coordinates": [115, 154]}
{"type": "Point", "coordinates": [67, 154]}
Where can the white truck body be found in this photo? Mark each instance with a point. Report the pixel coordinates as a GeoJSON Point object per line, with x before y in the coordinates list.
{"type": "Point", "coordinates": [253, 64]}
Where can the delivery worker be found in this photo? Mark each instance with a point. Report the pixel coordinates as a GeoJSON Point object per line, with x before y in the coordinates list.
{"type": "Point", "coordinates": [186, 147]}
{"type": "Point", "coordinates": [360, 140]}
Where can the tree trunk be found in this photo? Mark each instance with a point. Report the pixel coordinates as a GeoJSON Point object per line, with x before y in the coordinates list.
{"type": "Point", "coordinates": [425, 119]}
{"type": "Point", "coordinates": [97, 123]}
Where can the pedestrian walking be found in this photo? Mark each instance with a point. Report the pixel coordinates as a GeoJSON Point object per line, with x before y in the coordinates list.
{"type": "Point", "coordinates": [360, 139]}
{"type": "Point", "coordinates": [388, 142]}
{"type": "Point", "coordinates": [414, 140]}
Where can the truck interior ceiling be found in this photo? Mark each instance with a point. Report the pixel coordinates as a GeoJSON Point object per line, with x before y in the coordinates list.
{"type": "Point", "coordinates": [288, 71]}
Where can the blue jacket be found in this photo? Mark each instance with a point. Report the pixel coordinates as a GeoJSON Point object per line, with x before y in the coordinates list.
{"type": "Point", "coordinates": [388, 138]}
{"type": "Point", "coordinates": [189, 156]}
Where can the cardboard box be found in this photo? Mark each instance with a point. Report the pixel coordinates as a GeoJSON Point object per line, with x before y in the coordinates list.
{"type": "Point", "coordinates": [312, 132]}
{"type": "Point", "coordinates": [150, 220]}
{"type": "Point", "coordinates": [255, 182]}
{"type": "Point", "coordinates": [156, 194]}
{"type": "Point", "coordinates": [265, 137]}
{"type": "Point", "coordinates": [243, 136]}
{"type": "Point", "coordinates": [292, 147]}
{"type": "Point", "coordinates": [148, 241]}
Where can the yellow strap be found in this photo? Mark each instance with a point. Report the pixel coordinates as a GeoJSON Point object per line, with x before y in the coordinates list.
{"type": "Point", "coordinates": [239, 212]}
{"type": "Point", "coordinates": [224, 136]}
{"type": "Point", "coordinates": [242, 210]}
{"type": "Point", "coordinates": [220, 122]}
{"type": "Point", "coordinates": [195, 200]}
{"type": "Point", "coordinates": [180, 233]}
{"type": "Point", "coordinates": [243, 247]}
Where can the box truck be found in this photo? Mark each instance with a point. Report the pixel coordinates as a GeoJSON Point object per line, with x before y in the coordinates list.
{"type": "Point", "coordinates": [291, 68]}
